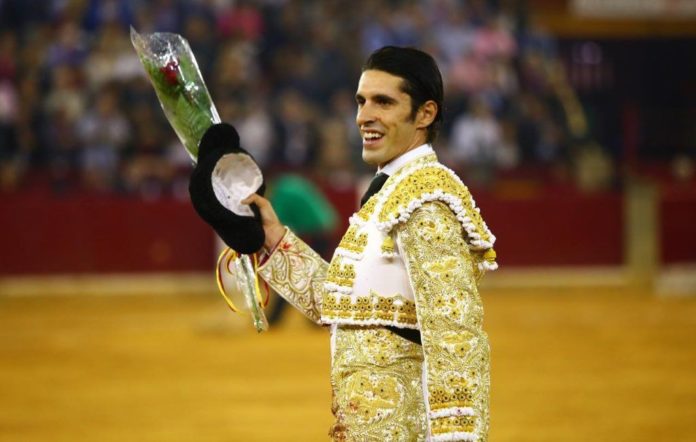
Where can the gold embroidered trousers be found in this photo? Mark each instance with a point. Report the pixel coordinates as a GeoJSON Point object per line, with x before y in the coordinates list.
{"type": "Point", "coordinates": [377, 388]}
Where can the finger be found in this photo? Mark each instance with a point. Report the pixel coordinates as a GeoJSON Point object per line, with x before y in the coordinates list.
{"type": "Point", "coordinates": [253, 198]}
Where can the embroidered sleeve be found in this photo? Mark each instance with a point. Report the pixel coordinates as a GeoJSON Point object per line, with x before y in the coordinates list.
{"type": "Point", "coordinates": [443, 274]}
{"type": "Point", "coordinates": [297, 273]}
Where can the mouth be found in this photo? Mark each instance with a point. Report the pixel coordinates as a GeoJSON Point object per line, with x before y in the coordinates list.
{"type": "Point", "coordinates": [371, 138]}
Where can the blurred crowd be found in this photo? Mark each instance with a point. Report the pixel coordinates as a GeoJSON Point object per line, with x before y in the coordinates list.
{"type": "Point", "coordinates": [78, 114]}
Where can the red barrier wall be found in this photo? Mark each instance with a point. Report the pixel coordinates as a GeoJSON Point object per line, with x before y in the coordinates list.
{"type": "Point", "coordinates": [101, 234]}
{"type": "Point", "coordinates": [556, 229]}
{"type": "Point", "coordinates": [677, 231]}
{"type": "Point", "coordinates": [84, 234]}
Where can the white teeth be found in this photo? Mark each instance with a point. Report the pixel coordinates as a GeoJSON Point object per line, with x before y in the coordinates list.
{"type": "Point", "coordinates": [371, 135]}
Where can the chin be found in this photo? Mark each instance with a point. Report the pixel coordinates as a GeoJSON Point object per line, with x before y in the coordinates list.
{"type": "Point", "coordinates": [370, 158]}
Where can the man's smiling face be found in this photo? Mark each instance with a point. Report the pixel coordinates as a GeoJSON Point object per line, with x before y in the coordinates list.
{"type": "Point", "coordinates": [385, 119]}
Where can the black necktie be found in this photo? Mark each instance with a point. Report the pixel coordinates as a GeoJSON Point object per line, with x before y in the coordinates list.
{"type": "Point", "coordinates": [376, 184]}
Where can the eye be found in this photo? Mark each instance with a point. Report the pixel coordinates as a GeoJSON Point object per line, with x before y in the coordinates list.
{"type": "Point", "coordinates": [384, 101]}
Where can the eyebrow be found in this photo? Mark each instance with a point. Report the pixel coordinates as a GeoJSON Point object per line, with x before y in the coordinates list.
{"type": "Point", "coordinates": [377, 97]}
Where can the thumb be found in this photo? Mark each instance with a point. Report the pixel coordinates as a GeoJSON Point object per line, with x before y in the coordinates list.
{"type": "Point", "coordinates": [253, 198]}
{"type": "Point", "coordinates": [262, 203]}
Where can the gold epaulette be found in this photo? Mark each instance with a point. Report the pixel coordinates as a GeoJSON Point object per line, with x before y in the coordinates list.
{"type": "Point", "coordinates": [427, 182]}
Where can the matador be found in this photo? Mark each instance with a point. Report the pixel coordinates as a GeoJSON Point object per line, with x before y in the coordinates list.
{"type": "Point", "coordinates": [409, 357]}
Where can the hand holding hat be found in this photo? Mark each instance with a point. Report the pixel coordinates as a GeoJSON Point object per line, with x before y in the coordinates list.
{"type": "Point", "coordinates": [225, 175]}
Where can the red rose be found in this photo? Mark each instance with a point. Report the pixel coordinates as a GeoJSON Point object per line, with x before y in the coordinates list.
{"type": "Point", "coordinates": [170, 72]}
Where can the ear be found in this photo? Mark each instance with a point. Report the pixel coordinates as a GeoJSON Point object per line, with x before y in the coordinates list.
{"type": "Point", "coordinates": [426, 114]}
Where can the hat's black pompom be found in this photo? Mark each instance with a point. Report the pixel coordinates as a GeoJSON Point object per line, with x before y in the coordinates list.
{"type": "Point", "coordinates": [219, 136]}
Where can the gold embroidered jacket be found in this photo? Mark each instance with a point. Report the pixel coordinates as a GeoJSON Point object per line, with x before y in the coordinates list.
{"type": "Point", "coordinates": [411, 258]}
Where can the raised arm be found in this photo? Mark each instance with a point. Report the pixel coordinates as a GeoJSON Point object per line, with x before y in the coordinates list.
{"type": "Point", "coordinates": [293, 269]}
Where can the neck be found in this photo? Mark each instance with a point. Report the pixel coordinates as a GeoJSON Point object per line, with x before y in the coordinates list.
{"type": "Point", "coordinates": [417, 142]}
{"type": "Point", "coordinates": [396, 163]}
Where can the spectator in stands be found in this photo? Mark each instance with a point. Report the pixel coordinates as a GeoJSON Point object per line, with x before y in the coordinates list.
{"type": "Point", "coordinates": [453, 36]}
{"type": "Point", "coordinates": [240, 19]}
{"type": "Point", "coordinates": [342, 109]}
{"type": "Point", "coordinates": [10, 169]}
{"type": "Point", "coordinates": [98, 13]}
{"type": "Point", "coordinates": [255, 127]}
{"type": "Point", "coordinates": [62, 153]}
{"type": "Point", "coordinates": [298, 138]}
{"type": "Point", "coordinates": [251, 53]}
{"type": "Point", "coordinates": [540, 137]}
{"type": "Point", "coordinates": [8, 56]}
{"type": "Point", "coordinates": [199, 32]}
{"type": "Point", "coordinates": [166, 15]}
{"type": "Point", "coordinates": [103, 133]}
{"type": "Point", "coordinates": [147, 170]}
{"type": "Point", "coordinates": [334, 161]}
{"type": "Point", "coordinates": [112, 58]}
{"type": "Point", "coordinates": [68, 48]}
{"type": "Point", "coordinates": [477, 144]}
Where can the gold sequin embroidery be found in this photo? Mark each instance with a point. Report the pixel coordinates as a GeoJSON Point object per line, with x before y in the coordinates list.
{"type": "Point", "coordinates": [417, 184]}
{"type": "Point", "coordinates": [453, 424]}
{"type": "Point", "coordinates": [372, 309]}
{"type": "Point", "coordinates": [377, 390]}
{"type": "Point", "coordinates": [450, 313]}
{"type": "Point", "coordinates": [388, 246]}
{"type": "Point", "coordinates": [297, 273]}
{"type": "Point", "coordinates": [366, 210]}
{"type": "Point", "coordinates": [353, 242]}
{"type": "Point", "coordinates": [340, 274]}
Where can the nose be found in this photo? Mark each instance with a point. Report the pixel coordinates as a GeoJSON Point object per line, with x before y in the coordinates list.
{"type": "Point", "coordinates": [364, 115]}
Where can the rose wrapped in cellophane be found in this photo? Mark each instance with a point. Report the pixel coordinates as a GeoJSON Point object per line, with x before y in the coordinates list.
{"type": "Point", "coordinates": [174, 73]}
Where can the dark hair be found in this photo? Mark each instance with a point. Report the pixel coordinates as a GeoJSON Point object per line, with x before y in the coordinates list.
{"type": "Point", "coordinates": [422, 79]}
